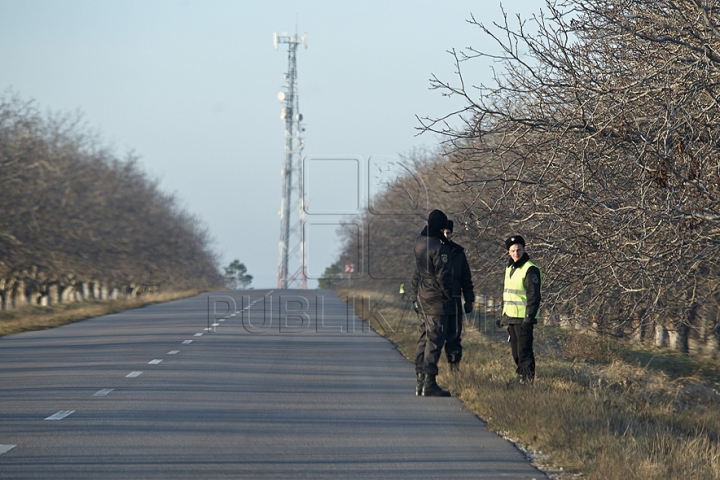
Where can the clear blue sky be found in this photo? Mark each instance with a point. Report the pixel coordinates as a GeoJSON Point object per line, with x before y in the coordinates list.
{"type": "Point", "coordinates": [191, 87]}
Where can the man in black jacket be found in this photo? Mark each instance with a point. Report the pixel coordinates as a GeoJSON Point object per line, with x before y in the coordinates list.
{"type": "Point", "coordinates": [434, 301]}
{"type": "Point", "coordinates": [462, 289]}
{"type": "Point", "coordinates": [521, 303]}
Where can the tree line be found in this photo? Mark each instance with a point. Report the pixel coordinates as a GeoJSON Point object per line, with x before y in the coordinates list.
{"type": "Point", "coordinates": [77, 222]}
{"type": "Point", "coordinates": [599, 142]}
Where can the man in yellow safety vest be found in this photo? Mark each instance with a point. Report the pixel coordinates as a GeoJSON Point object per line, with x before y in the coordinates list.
{"type": "Point", "coordinates": [521, 303]}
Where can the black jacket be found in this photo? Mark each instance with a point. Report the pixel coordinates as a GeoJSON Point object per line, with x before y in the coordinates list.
{"type": "Point", "coordinates": [432, 285]}
{"type": "Point", "coordinates": [532, 290]}
{"type": "Point", "coordinates": [462, 277]}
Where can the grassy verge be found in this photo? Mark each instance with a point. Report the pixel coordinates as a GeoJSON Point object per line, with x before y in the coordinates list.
{"type": "Point", "coordinates": [29, 318]}
{"type": "Point", "coordinates": [599, 409]}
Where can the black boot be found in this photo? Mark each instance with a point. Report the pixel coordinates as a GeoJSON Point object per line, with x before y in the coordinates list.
{"type": "Point", "coordinates": [432, 389]}
{"type": "Point", "coordinates": [420, 384]}
{"type": "Point", "coordinates": [454, 367]}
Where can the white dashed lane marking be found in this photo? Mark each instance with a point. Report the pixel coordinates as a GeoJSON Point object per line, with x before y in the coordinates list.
{"type": "Point", "coordinates": [103, 392]}
{"type": "Point", "coordinates": [6, 448]}
{"type": "Point", "coordinates": [60, 415]}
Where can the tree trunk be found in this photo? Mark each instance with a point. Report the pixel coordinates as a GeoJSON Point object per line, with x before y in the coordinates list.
{"type": "Point", "coordinates": [52, 294]}
{"type": "Point", "coordinates": [92, 290]}
{"type": "Point", "coordinates": [35, 298]}
{"type": "Point", "coordinates": [682, 327]}
{"type": "Point", "coordinates": [67, 294]}
{"type": "Point", "coordinates": [679, 338]}
{"type": "Point", "coordinates": [705, 326]}
{"type": "Point", "coordinates": [713, 344]}
{"type": "Point", "coordinates": [640, 332]}
{"type": "Point", "coordinates": [19, 298]}
{"type": "Point", "coordinates": [661, 335]}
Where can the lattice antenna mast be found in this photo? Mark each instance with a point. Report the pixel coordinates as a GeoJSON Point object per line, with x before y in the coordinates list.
{"type": "Point", "coordinates": [291, 268]}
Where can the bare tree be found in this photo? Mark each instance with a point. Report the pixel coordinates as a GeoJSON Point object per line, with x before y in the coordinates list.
{"type": "Point", "coordinates": [78, 223]}
{"type": "Point", "coordinates": [599, 141]}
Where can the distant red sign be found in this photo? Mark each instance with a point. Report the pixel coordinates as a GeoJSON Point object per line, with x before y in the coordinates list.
{"type": "Point", "coordinates": [349, 268]}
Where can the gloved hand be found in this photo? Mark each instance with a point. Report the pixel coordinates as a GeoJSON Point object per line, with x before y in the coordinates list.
{"type": "Point", "coordinates": [498, 323]}
{"type": "Point", "coordinates": [468, 307]}
{"type": "Point", "coordinates": [416, 307]}
{"type": "Point", "coordinates": [526, 328]}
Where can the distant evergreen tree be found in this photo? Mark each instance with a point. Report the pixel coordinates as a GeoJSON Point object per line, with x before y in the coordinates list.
{"type": "Point", "coordinates": [331, 276]}
{"type": "Point", "coordinates": [236, 277]}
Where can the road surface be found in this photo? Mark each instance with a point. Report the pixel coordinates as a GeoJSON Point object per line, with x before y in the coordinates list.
{"type": "Point", "coordinates": [268, 384]}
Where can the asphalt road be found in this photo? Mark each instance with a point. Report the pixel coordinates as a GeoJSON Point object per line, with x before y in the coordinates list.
{"type": "Point", "coordinates": [284, 384]}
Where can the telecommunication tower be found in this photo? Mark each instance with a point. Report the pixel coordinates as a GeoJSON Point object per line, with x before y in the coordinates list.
{"type": "Point", "coordinates": [291, 264]}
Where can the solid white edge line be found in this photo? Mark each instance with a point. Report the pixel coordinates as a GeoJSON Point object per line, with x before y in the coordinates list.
{"type": "Point", "coordinates": [60, 415]}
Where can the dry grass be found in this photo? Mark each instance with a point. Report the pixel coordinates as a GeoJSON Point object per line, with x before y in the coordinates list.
{"type": "Point", "coordinates": [599, 409]}
{"type": "Point", "coordinates": [29, 318]}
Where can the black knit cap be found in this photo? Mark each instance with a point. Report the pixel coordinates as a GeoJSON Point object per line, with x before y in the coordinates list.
{"type": "Point", "coordinates": [513, 240]}
{"type": "Point", "coordinates": [449, 225]}
{"type": "Point", "coordinates": [437, 220]}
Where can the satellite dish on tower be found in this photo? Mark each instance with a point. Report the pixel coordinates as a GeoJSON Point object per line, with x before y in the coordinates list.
{"type": "Point", "coordinates": [281, 96]}
{"type": "Point", "coordinates": [275, 40]}
{"type": "Point", "coordinates": [304, 40]}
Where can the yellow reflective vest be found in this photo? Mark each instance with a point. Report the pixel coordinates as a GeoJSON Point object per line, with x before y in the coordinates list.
{"type": "Point", "coordinates": [514, 294]}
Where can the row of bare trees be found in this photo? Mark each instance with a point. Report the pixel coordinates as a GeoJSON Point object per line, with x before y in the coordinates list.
{"type": "Point", "coordinates": [599, 142]}
{"type": "Point", "coordinates": [380, 242]}
{"type": "Point", "coordinates": [76, 222]}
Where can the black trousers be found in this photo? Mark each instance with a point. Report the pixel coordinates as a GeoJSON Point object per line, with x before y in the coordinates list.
{"type": "Point", "coordinates": [433, 329]}
{"type": "Point", "coordinates": [521, 345]}
{"type": "Point", "coordinates": [453, 348]}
